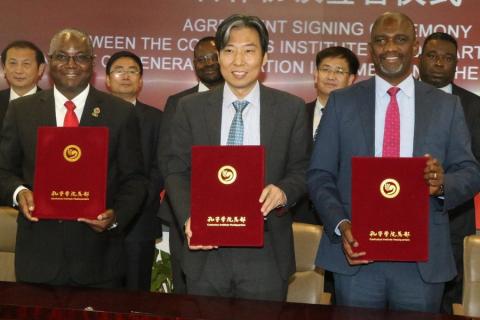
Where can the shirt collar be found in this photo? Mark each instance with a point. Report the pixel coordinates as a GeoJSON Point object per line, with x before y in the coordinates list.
{"type": "Point", "coordinates": [318, 105]}
{"type": "Point", "coordinates": [253, 97]}
{"type": "Point", "coordinates": [407, 86]}
{"type": "Point", "coordinates": [79, 100]}
{"type": "Point", "coordinates": [447, 88]}
{"type": "Point", "coordinates": [14, 95]}
{"type": "Point", "coordinates": [202, 87]}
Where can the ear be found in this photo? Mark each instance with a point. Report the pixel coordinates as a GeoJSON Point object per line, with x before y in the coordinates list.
{"type": "Point", "coordinates": [265, 59]}
{"type": "Point", "coordinates": [41, 69]}
{"type": "Point", "coordinates": [107, 81]}
{"type": "Point", "coordinates": [315, 78]}
{"type": "Point", "coordinates": [140, 82]}
{"type": "Point", "coordinates": [351, 78]}
{"type": "Point", "coordinates": [416, 48]}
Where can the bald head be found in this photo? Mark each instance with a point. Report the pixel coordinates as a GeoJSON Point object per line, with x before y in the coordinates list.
{"type": "Point", "coordinates": [394, 18]}
{"type": "Point", "coordinates": [67, 34]}
{"type": "Point", "coordinates": [393, 46]}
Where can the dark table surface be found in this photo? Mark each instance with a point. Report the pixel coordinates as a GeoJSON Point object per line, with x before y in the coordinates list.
{"type": "Point", "coordinates": [25, 301]}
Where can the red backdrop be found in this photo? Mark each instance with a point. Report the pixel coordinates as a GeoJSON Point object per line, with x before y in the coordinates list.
{"type": "Point", "coordinates": [164, 32]}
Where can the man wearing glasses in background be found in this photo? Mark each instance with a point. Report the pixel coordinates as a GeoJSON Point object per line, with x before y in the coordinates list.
{"type": "Point", "coordinates": [86, 252]}
{"type": "Point", "coordinates": [207, 70]}
{"type": "Point", "coordinates": [336, 69]}
{"type": "Point", "coordinates": [124, 72]}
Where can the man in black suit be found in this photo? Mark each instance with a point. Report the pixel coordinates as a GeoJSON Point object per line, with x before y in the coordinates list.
{"type": "Point", "coordinates": [205, 61]}
{"type": "Point", "coordinates": [86, 252]}
{"type": "Point", "coordinates": [437, 66]}
{"type": "Point", "coordinates": [23, 64]}
{"type": "Point", "coordinates": [272, 118]}
{"type": "Point", "coordinates": [124, 79]}
{"type": "Point", "coordinates": [336, 68]}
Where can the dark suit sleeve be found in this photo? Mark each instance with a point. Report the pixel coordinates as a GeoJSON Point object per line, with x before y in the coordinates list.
{"type": "Point", "coordinates": [462, 175]}
{"type": "Point", "coordinates": [163, 152]}
{"type": "Point", "coordinates": [130, 177]}
{"type": "Point", "coordinates": [177, 180]}
{"type": "Point", "coordinates": [322, 175]}
{"type": "Point", "coordinates": [10, 157]}
{"type": "Point", "coordinates": [293, 182]}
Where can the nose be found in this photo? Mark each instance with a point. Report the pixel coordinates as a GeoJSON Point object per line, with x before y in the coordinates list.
{"type": "Point", "coordinates": [71, 62]}
{"type": "Point", "coordinates": [238, 59]}
{"type": "Point", "coordinates": [390, 45]}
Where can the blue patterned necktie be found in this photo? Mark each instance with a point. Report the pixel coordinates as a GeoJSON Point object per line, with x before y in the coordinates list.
{"type": "Point", "coordinates": [235, 136]}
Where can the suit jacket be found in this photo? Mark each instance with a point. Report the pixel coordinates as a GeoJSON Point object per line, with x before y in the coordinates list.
{"type": "Point", "coordinates": [165, 213]}
{"type": "Point", "coordinates": [462, 218]}
{"type": "Point", "coordinates": [285, 138]}
{"type": "Point", "coordinates": [146, 225]}
{"type": "Point", "coordinates": [46, 246]}
{"type": "Point", "coordinates": [304, 210]}
{"type": "Point", "coordinates": [347, 129]}
{"type": "Point", "coordinates": [4, 101]}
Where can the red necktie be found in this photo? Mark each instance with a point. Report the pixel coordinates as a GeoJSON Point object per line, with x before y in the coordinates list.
{"type": "Point", "coordinates": [391, 135]}
{"type": "Point", "coordinates": [71, 119]}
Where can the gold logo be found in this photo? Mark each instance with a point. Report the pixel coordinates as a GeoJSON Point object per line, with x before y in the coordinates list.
{"type": "Point", "coordinates": [390, 188]}
{"type": "Point", "coordinates": [72, 153]}
{"type": "Point", "coordinates": [227, 175]}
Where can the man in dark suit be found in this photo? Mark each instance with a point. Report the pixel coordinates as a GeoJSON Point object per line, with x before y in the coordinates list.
{"type": "Point", "coordinates": [274, 119]}
{"type": "Point", "coordinates": [86, 252]}
{"type": "Point", "coordinates": [23, 64]}
{"type": "Point", "coordinates": [336, 68]}
{"type": "Point", "coordinates": [207, 70]}
{"type": "Point", "coordinates": [437, 66]}
{"type": "Point", "coordinates": [372, 119]}
{"type": "Point", "coordinates": [124, 79]}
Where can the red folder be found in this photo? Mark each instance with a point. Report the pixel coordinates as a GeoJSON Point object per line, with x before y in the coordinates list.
{"type": "Point", "coordinates": [70, 172]}
{"type": "Point", "coordinates": [226, 183]}
{"type": "Point", "coordinates": [390, 208]}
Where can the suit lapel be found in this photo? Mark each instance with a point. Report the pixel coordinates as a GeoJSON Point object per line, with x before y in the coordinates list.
{"type": "Point", "coordinates": [47, 115]}
{"type": "Point", "coordinates": [367, 113]}
{"type": "Point", "coordinates": [423, 109]}
{"type": "Point", "coordinates": [92, 111]}
{"type": "Point", "coordinates": [267, 116]}
{"type": "Point", "coordinates": [213, 115]}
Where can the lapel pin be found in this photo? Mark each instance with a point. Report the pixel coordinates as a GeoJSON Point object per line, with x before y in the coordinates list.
{"type": "Point", "coordinates": [96, 112]}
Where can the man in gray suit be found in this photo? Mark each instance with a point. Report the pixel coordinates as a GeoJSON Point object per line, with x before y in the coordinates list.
{"type": "Point", "coordinates": [274, 119]}
{"type": "Point", "coordinates": [430, 123]}
{"type": "Point", "coordinates": [207, 70]}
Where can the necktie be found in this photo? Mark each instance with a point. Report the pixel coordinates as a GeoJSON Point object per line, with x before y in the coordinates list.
{"type": "Point", "coordinates": [391, 135]}
{"type": "Point", "coordinates": [235, 135]}
{"type": "Point", "coordinates": [71, 119]}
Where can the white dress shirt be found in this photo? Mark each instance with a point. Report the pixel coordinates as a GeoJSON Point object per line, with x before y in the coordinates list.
{"type": "Point", "coordinates": [14, 95]}
{"type": "Point", "coordinates": [250, 115]}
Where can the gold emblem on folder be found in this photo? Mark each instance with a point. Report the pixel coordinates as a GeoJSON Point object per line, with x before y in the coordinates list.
{"type": "Point", "coordinates": [72, 153]}
{"type": "Point", "coordinates": [389, 188]}
{"type": "Point", "coordinates": [227, 175]}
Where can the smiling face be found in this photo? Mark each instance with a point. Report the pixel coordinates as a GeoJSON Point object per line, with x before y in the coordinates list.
{"type": "Point", "coordinates": [125, 80]}
{"type": "Point", "coordinates": [332, 73]}
{"type": "Point", "coordinates": [393, 46]}
{"type": "Point", "coordinates": [206, 63]}
{"type": "Point", "coordinates": [241, 60]}
{"type": "Point", "coordinates": [72, 76]}
{"type": "Point", "coordinates": [22, 70]}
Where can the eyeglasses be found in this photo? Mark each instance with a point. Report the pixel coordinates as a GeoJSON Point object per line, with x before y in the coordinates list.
{"type": "Point", "coordinates": [209, 58]}
{"type": "Point", "coordinates": [80, 58]}
{"type": "Point", "coordinates": [337, 72]}
{"type": "Point", "coordinates": [446, 58]}
{"type": "Point", "coordinates": [122, 72]}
